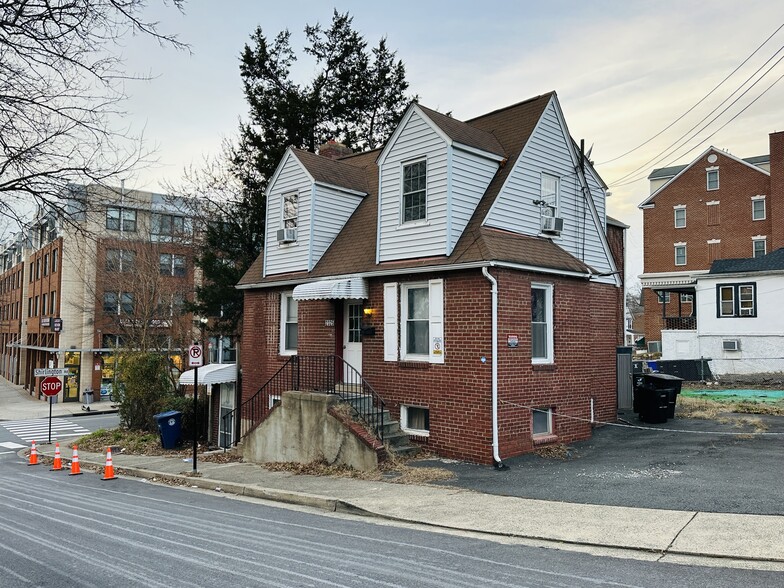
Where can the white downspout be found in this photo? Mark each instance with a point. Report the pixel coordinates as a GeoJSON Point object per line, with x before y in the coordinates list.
{"type": "Point", "coordinates": [494, 351]}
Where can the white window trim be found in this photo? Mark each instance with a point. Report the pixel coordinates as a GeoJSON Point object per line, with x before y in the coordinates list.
{"type": "Point", "coordinates": [549, 411]}
{"type": "Point", "coordinates": [404, 421]}
{"type": "Point", "coordinates": [764, 208]}
{"type": "Point", "coordinates": [283, 217]}
{"type": "Point", "coordinates": [759, 239]}
{"type": "Point", "coordinates": [402, 208]}
{"type": "Point", "coordinates": [675, 252]}
{"type": "Point", "coordinates": [677, 208]}
{"type": "Point", "coordinates": [708, 171]}
{"type": "Point", "coordinates": [550, 357]}
{"type": "Point", "coordinates": [404, 288]}
{"type": "Point", "coordinates": [557, 179]}
{"type": "Point", "coordinates": [284, 298]}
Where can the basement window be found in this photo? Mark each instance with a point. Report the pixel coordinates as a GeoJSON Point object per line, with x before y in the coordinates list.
{"type": "Point", "coordinates": [415, 420]}
{"type": "Point", "coordinates": [542, 421]}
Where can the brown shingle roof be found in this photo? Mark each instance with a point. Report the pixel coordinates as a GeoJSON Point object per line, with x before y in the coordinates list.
{"type": "Point", "coordinates": [331, 171]}
{"type": "Point", "coordinates": [354, 249]}
{"type": "Point", "coordinates": [464, 133]}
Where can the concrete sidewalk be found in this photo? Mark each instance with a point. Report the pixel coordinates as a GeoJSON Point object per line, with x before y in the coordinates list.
{"type": "Point", "coordinates": [666, 533]}
{"type": "Point", "coordinates": [16, 403]}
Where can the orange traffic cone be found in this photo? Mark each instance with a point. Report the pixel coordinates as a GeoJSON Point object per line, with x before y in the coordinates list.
{"type": "Point", "coordinates": [75, 468]}
{"type": "Point", "coordinates": [57, 465]}
{"type": "Point", "coordinates": [33, 455]}
{"type": "Point", "coordinates": [108, 471]}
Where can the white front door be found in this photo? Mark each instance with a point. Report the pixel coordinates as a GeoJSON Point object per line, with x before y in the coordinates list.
{"type": "Point", "coordinates": [352, 336]}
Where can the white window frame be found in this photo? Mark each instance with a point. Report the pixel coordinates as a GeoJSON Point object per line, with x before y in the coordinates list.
{"type": "Point", "coordinates": [549, 413]}
{"type": "Point", "coordinates": [687, 297]}
{"type": "Point", "coordinates": [680, 209]}
{"type": "Point", "coordinates": [404, 290]}
{"type": "Point", "coordinates": [663, 299]}
{"type": "Point", "coordinates": [754, 200]}
{"type": "Point", "coordinates": [285, 297]}
{"type": "Point", "coordinates": [708, 172]}
{"type": "Point", "coordinates": [683, 247]}
{"type": "Point", "coordinates": [757, 240]}
{"type": "Point", "coordinates": [550, 209]}
{"type": "Point", "coordinates": [404, 408]}
{"type": "Point", "coordinates": [289, 219]}
{"type": "Point", "coordinates": [549, 357]}
{"type": "Point", "coordinates": [403, 193]}
{"type": "Point", "coordinates": [740, 301]}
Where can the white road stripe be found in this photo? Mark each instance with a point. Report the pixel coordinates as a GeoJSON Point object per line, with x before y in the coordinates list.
{"type": "Point", "coordinates": [30, 430]}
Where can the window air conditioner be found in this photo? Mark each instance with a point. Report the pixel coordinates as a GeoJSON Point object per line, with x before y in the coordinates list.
{"type": "Point", "coordinates": [552, 224]}
{"type": "Point", "coordinates": [287, 235]}
{"type": "Point", "coordinates": [730, 345]}
{"type": "Point", "coordinates": [654, 346]}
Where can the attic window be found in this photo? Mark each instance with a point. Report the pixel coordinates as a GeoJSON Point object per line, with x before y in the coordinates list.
{"type": "Point", "coordinates": [290, 210]}
{"type": "Point", "coordinates": [549, 195]}
{"type": "Point", "coordinates": [415, 191]}
{"type": "Point", "coordinates": [713, 178]}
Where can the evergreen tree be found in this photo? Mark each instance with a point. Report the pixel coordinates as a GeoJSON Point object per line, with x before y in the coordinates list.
{"type": "Point", "coordinates": [356, 97]}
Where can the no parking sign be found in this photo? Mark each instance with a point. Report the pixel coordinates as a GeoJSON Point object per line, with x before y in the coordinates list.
{"type": "Point", "coordinates": [195, 356]}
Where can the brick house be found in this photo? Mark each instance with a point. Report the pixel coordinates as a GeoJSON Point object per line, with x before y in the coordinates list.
{"type": "Point", "coordinates": [716, 207]}
{"type": "Point", "coordinates": [467, 271]}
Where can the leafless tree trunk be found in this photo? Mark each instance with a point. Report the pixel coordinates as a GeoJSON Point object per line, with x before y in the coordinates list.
{"type": "Point", "coordinates": [61, 94]}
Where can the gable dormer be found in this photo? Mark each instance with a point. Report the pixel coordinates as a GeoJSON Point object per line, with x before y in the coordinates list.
{"type": "Point", "coordinates": [309, 200]}
{"type": "Point", "coordinates": [432, 173]}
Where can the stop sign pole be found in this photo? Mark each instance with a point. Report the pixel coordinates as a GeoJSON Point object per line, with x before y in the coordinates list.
{"type": "Point", "coordinates": [51, 387]}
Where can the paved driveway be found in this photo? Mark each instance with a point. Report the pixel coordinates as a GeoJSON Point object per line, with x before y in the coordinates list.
{"type": "Point", "coordinates": [670, 469]}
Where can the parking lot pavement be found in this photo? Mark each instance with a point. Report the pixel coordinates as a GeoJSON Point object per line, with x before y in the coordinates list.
{"type": "Point", "coordinates": [683, 464]}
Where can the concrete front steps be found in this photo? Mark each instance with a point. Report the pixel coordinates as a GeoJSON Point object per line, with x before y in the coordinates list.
{"type": "Point", "coordinates": [397, 442]}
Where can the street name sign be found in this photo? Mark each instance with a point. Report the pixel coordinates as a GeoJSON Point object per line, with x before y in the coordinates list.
{"type": "Point", "coordinates": [44, 372]}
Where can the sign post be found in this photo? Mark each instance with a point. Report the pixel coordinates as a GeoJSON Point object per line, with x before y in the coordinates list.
{"type": "Point", "coordinates": [195, 359]}
{"type": "Point", "coordinates": [51, 387]}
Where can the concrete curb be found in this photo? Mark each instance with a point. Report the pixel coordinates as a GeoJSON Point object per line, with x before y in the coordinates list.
{"type": "Point", "coordinates": [333, 504]}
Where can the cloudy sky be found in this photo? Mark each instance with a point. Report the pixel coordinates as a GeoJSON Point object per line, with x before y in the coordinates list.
{"type": "Point", "coordinates": [623, 70]}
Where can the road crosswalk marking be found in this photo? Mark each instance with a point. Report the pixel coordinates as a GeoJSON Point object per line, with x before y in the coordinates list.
{"type": "Point", "coordinates": [38, 429]}
{"type": "Point", "coordinates": [11, 445]}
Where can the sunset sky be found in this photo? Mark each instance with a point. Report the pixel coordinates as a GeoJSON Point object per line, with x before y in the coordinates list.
{"type": "Point", "coordinates": [623, 71]}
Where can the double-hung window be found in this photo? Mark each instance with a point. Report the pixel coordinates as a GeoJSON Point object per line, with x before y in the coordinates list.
{"type": "Point", "coordinates": [421, 321]}
{"type": "Point", "coordinates": [680, 254]}
{"type": "Point", "coordinates": [758, 211]}
{"type": "Point", "coordinates": [542, 350]}
{"type": "Point", "coordinates": [414, 202]}
{"type": "Point", "coordinates": [172, 265]}
{"type": "Point", "coordinates": [288, 324]}
{"type": "Point", "coordinates": [121, 217]}
{"type": "Point", "coordinates": [712, 178]}
{"type": "Point", "coordinates": [680, 217]}
{"type": "Point", "coordinates": [290, 211]}
{"type": "Point", "coordinates": [167, 227]}
{"type": "Point", "coordinates": [736, 300]}
{"type": "Point", "coordinates": [120, 260]}
{"type": "Point", "coordinates": [760, 246]}
{"type": "Point", "coordinates": [549, 194]}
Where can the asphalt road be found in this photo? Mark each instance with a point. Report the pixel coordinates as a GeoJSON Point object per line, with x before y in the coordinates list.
{"type": "Point", "coordinates": [670, 469]}
{"type": "Point", "coordinates": [67, 531]}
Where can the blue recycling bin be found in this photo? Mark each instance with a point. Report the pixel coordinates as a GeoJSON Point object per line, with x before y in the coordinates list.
{"type": "Point", "coordinates": [169, 426]}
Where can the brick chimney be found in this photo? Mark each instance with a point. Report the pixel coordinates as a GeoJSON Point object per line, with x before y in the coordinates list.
{"type": "Point", "coordinates": [776, 195]}
{"type": "Point", "coordinates": [334, 150]}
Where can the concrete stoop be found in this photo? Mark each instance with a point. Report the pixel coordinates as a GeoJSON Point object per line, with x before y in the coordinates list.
{"type": "Point", "coordinates": [396, 441]}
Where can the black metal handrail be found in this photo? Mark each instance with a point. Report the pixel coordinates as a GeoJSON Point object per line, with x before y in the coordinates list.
{"type": "Point", "coordinates": [318, 373]}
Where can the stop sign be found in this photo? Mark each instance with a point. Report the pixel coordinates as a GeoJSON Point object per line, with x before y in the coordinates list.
{"type": "Point", "coordinates": [51, 386]}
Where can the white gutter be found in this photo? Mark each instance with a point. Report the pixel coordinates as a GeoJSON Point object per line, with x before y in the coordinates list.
{"type": "Point", "coordinates": [424, 269]}
{"type": "Point", "coordinates": [494, 351]}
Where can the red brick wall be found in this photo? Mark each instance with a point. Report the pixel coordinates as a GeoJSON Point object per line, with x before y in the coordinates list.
{"type": "Point", "coordinates": [738, 182]}
{"type": "Point", "coordinates": [776, 196]}
{"type": "Point", "coordinates": [458, 392]}
{"type": "Point", "coordinates": [616, 238]}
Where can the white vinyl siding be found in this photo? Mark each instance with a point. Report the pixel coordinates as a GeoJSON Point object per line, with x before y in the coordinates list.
{"type": "Point", "coordinates": [283, 258]}
{"type": "Point", "coordinates": [471, 174]}
{"type": "Point", "coordinates": [548, 151]}
{"type": "Point", "coordinates": [417, 141]}
{"type": "Point", "coordinates": [332, 209]}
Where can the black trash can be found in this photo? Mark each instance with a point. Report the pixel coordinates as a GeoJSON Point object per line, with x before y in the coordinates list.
{"type": "Point", "coordinates": [667, 383]}
{"type": "Point", "coordinates": [169, 426]}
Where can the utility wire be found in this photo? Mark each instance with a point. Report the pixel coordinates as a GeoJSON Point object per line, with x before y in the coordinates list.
{"type": "Point", "coordinates": [701, 100]}
{"type": "Point", "coordinates": [678, 143]}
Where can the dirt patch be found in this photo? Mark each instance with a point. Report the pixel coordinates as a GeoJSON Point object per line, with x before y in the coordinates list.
{"type": "Point", "coordinates": [558, 451]}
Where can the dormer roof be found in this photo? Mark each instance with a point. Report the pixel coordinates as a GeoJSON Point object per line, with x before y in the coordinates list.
{"type": "Point", "coordinates": [464, 133]}
{"type": "Point", "coordinates": [332, 172]}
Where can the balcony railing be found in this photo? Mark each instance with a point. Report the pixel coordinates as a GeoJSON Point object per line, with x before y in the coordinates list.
{"type": "Point", "coordinates": [680, 323]}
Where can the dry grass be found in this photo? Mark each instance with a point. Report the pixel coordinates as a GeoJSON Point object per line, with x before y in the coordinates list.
{"type": "Point", "coordinates": [558, 451]}
{"type": "Point", "coordinates": [705, 408]}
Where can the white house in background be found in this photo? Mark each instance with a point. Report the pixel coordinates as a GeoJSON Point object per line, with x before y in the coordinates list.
{"type": "Point", "coordinates": [741, 323]}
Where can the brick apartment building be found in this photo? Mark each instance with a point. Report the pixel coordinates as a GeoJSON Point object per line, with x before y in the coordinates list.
{"type": "Point", "coordinates": [716, 207]}
{"type": "Point", "coordinates": [467, 270]}
{"type": "Point", "coordinates": [116, 272]}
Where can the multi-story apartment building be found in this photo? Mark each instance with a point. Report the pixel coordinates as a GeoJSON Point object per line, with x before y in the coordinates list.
{"type": "Point", "coordinates": [113, 270]}
{"type": "Point", "coordinates": [716, 207]}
